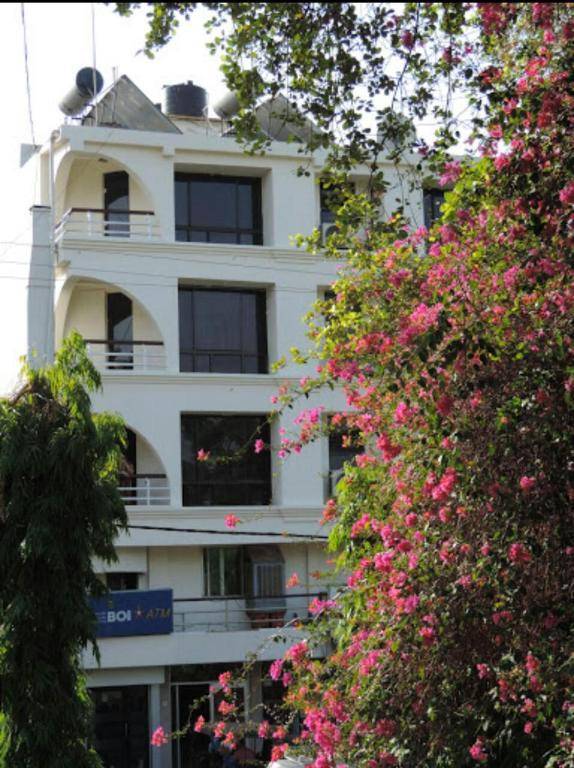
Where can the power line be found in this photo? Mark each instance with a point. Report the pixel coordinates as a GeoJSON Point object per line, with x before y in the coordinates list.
{"type": "Point", "coordinates": [213, 531]}
{"type": "Point", "coordinates": [23, 15]}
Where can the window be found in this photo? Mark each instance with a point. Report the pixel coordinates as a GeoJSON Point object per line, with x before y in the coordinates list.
{"type": "Point", "coordinates": [117, 204]}
{"type": "Point", "coordinates": [432, 203]}
{"type": "Point", "coordinates": [342, 449]}
{"type": "Point", "coordinates": [218, 209]}
{"type": "Point", "coordinates": [120, 323]}
{"type": "Point", "coordinates": [119, 582]}
{"type": "Point", "coordinates": [236, 475]}
{"type": "Point", "coordinates": [222, 331]}
{"type": "Point", "coordinates": [223, 572]}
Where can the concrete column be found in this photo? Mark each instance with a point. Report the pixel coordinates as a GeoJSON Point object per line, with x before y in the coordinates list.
{"type": "Point", "coordinates": [254, 694]}
{"type": "Point", "coordinates": [160, 714]}
{"type": "Point", "coordinates": [40, 300]}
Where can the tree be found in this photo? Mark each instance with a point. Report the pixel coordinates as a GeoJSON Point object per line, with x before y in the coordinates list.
{"type": "Point", "coordinates": [59, 509]}
{"type": "Point", "coordinates": [453, 642]}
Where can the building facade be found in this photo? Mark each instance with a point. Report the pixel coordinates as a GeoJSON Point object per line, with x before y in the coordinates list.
{"type": "Point", "coordinates": [170, 251]}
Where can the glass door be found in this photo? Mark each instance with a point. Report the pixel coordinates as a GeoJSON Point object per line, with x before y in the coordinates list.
{"type": "Point", "coordinates": [121, 726]}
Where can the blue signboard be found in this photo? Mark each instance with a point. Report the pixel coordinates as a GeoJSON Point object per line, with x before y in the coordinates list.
{"type": "Point", "coordinates": [134, 612]}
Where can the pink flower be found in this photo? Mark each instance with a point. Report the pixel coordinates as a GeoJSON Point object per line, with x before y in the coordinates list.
{"type": "Point", "coordinates": [451, 173]}
{"type": "Point", "coordinates": [203, 455]}
{"type": "Point", "coordinates": [567, 194]}
{"type": "Point", "coordinates": [278, 752]}
{"type": "Point", "coordinates": [226, 708]}
{"type": "Point", "coordinates": [263, 730]}
{"type": "Point", "coordinates": [159, 737]}
{"type": "Point", "coordinates": [199, 724]}
{"type": "Point", "coordinates": [428, 635]}
{"type": "Point", "coordinates": [477, 752]}
{"type": "Point", "coordinates": [293, 580]}
{"type": "Point", "coordinates": [231, 521]}
{"type": "Point", "coordinates": [259, 446]}
{"type": "Point", "coordinates": [528, 727]}
{"type": "Point", "coordinates": [276, 669]}
{"type": "Point", "coordinates": [519, 554]}
{"type": "Point", "coordinates": [527, 483]}
{"type": "Point", "coordinates": [483, 670]}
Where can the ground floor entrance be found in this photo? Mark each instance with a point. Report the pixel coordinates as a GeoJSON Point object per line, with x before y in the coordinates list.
{"type": "Point", "coordinates": [121, 726]}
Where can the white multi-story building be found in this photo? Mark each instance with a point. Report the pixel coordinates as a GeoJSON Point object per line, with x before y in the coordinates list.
{"type": "Point", "coordinates": [170, 251]}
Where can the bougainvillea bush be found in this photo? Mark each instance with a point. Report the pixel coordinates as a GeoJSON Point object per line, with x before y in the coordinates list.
{"type": "Point", "coordinates": [453, 643]}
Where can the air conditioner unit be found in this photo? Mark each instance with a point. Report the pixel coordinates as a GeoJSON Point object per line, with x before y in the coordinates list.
{"type": "Point", "coordinates": [327, 229]}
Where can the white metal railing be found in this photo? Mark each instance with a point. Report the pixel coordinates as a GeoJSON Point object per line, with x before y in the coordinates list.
{"type": "Point", "coordinates": [236, 614]}
{"type": "Point", "coordinates": [112, 355]}
{"type": "Point", "coordinates": [99, 222]}
{"type": "Point", "coordinates": [144, 490]}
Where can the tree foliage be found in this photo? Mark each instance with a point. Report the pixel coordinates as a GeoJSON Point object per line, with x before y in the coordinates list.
{"type": "Point", "coordinates": [59, 508]}
{"type": "Point", "coordinates": [453, 641]}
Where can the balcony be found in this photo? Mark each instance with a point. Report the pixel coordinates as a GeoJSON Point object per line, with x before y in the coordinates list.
{"type": "Point", "coordinates": [144, 490]}
{"type": "Point", "coordinates": [238, 614]}
{"type": "Point", "coordinates": [79, 223]}
{"type": "Point", "coordinates": [137, 356]}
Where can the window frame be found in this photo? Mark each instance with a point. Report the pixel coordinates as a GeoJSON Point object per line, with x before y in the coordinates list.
{"type": "Point", "coordinates": [208, 587]}
{"type": "Point", "coordinates": [430, 196]}
{"type": "Point", "coordinates": [265, 485]}
{"type": "Point", "coordinates": [194, 351]}
{"type": "Point", "coordinates": [255, 231]}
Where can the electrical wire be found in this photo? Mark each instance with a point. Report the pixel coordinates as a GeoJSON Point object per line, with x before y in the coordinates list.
{"type": "Point", "coordinates": [213, 531]}
{"type": "Point", "coordinates": [26, 67]}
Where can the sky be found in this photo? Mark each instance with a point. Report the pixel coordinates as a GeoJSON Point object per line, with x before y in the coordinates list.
{"type": "Point", "coordinates": [59, 37]}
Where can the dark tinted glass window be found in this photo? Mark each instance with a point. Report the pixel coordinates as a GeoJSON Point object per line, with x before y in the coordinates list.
{"type": "Point", "coordinates": [218, 209]}
{"type": "Point", "coordinates": [120, 331]}
{"type": "Point", "coordinates": [432, 200]}
{"type": "Point", "coordinates": [118, 582]}
{"type": "Point", "coordinates": [222, 331]}
{"type": "Point", "coordinates": [235, 474]}
{"type": "Point", "coordinates": [117, 203]}
{"type": "Point", "coordinates": [342, 449]}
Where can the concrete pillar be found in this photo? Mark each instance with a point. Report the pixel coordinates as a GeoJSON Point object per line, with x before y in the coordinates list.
{"type": "Point", "coordinates": [254, 694]}
{"type": "Point", "coordinates": [40, 300]}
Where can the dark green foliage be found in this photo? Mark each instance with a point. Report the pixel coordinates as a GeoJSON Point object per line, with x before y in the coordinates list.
{"type": "Point", "coordinates": [59, 508]}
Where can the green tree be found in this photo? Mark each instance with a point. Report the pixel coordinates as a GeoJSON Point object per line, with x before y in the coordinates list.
{"type": "Point", "coordinates": [59, 509]}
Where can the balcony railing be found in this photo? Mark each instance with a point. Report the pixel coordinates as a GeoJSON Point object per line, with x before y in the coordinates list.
{"type": "Point", "coordinates": [145, 490]}
{"type": "Point", "coordinates": [99, 222]}
{"type": "Point", "coordinates": [112, 355]}
{"type": "Point", "coordinates": [237, 614]}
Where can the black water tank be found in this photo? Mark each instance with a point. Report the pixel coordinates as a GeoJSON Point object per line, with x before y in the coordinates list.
{"type": "Point", "coordinates": [185, 99]}
{"type": "Point", "coordinates": [89, 83]}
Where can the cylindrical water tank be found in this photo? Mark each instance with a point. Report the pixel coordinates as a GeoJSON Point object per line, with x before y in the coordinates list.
{"type": "Point", "coordinates": [89, 83]}
{"type": "Point", "coordinates": [185, 99]}
{"type": "Point", "coordinates": [227, 106]}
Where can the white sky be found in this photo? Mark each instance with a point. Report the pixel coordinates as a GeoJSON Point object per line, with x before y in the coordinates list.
{"type": "Point", "coordinates": [60, 43]}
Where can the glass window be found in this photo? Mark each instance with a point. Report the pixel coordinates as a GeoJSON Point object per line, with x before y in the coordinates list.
{"type": "Point", "coordinates": [117, 204]}
{"type": "Point", "coordinates": [218, 209]}
{"type": "Point", "coordinates": [120, 331]}
{"type": "Point", "coordinates": [222, 331]}
{"type": "Point", "coordinates": [223, 571]}
{"type": "Point", "coordinates": [119, 582]}
{"type": "Point", "coordinates": [235, 474]}
{"type": "Point", "coordinates": [342, 449]}
{"type": "Point", "coordinates": [433, 200]}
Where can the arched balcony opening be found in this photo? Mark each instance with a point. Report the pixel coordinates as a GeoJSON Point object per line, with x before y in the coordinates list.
{"type": "Point", "coordinates": [143, 480]}
{"type": "Point", "coordinates": [96, 196]}
{"type": "Point", "coordinates": [121, 336]}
